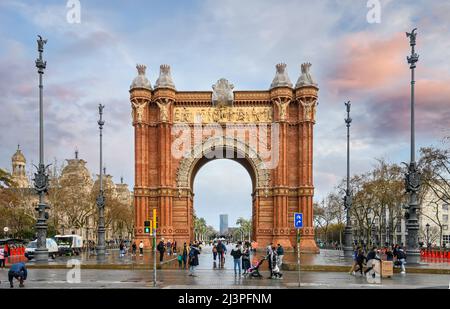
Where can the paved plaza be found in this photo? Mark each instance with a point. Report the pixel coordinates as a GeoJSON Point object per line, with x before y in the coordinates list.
{"type": "Point", "coordinates": [211, 276]}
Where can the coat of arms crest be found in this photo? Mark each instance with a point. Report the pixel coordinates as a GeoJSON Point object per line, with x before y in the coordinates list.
{"type": "Point", "coordinates": [222, 93]}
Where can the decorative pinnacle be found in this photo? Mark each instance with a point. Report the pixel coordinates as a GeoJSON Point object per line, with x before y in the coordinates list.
{"type": "Point", "coordinates": [281, 78]}
{"type": "Point", "coordinates": [281, 67]}
{"type": "Point", "coordinates": [141, 69]}
{"type": "Point", "coordinates": [165, 79]}
{"type": "Point", "coordinates": [164, 68]}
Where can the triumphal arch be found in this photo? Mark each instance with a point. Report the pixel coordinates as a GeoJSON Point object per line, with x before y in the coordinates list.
{"type": "Point", "coordinates": [269, 132]}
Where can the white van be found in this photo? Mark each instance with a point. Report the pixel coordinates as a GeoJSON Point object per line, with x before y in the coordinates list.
{"type": "Point", "coordinates": [50, 244]}
{"type": "Point", "coordinates": [69, 244]}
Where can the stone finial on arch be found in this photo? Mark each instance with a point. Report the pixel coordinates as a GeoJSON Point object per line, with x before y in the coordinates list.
{"type": "Point", "coordinates": [190, 159]}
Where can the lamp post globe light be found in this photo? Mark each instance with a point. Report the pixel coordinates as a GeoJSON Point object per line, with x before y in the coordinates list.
{"type": "Point", "coordinates": [412, 177]}
{"type": "Point", "coordinates": [41, 177]}
{"type": "Point", "coordinates": [101, 198]}
{"type": "Point", "coordinates": [348, 232]}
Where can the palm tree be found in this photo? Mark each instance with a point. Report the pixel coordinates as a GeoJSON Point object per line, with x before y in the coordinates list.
{"type": "Point", "coordinates": [200, 228]}
{"type": "Point", "coordinates": [245, 226]}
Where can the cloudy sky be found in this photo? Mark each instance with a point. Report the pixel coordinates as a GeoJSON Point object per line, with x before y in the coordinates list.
{"type": "Point", "coordinates": [94, 61]}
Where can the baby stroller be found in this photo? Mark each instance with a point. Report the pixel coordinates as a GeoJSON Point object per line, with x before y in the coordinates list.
{"type": "Point", "coordinates": [253, 271]}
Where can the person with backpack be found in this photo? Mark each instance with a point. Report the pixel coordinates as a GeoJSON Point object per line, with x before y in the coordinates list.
{"type": "Point", "coordinates": [161, 248]}
{"type": "Point", "coordinates": [193, 260]}
{"type": "Point", "coordinates": [236, 253]}
{"type": "Point", "coordinates": [221, 253]}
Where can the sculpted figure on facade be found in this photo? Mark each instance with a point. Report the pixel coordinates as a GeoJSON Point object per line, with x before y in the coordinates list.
{"type": "Point", "coordinates": [309, 110]}
{"type": "Point", "coordinates": [137, 113]}
{"type": "Point", "coordinates": [164, 111]}
{"type": "Point", "coordinates": [282, 108]}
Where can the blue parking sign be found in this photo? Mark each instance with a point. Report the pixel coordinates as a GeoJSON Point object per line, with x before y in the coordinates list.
{"type": "Point", "coordinates": [298, 220]}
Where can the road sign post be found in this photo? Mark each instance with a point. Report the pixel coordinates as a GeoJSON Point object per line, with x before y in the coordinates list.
{"type": "Point", "coordinates": [154, 247]}
{"type": "Point", "coordinates": [298, 224]}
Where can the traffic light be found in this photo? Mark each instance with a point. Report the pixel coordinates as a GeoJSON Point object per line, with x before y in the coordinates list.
{"type": "Point", "coordinates": [147, 227]}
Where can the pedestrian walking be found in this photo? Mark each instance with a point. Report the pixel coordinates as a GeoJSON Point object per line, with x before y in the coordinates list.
{"type": "Point", "coordinates": [180, 260]}
{"type": "Point", "coordinates": [185, 254]}
{"type": "Point", "coordinates": [214, 251]}
{"type": "Point", "coordinates": [389, 254]}
{"type": "Point", "coordinates": [161, 248]}
{"type": "Point", "coordinates": [246, 258]}
{"type": "Point", "coordinates": [141, 249]}
{"type": "Point", "coordinates": [401, 259]}
{"type": "Point", "coordinates": [372, 256]}
{"type": "Point", "coordinates": [133, 248]}
{"type": "Point", "coordinates": [174, 246]}
{"type": "Point", "coordinates": [19, 272]}
{"type": "Point", "coordinates": [236, 253]}
{"type": "Point", "coordinates": [354, 257]}
{"type": "Point", "coordinates": [169, 247]}
{"type": "Point", "coordinates": [280, 255]}
{"type": "Point", "coordinates": [360, 259]}
{"type": "Point", "coordinates": [193, 260]}
{"type": "Point", "coordinates": [272, 260]}
{"type": "Point", "coordinates": [121, 249]}
{"type": "Point", "coordinates": [2, 258]}
{"type": "Point", "coordinates": [221, 253]}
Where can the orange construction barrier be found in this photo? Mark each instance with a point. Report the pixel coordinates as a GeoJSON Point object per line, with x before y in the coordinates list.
{"type": "Point", "coordinates": [13, 251]}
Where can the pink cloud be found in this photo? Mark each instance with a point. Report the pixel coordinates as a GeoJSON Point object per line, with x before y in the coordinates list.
{"type": "Point", "coordinates": [368, 62]}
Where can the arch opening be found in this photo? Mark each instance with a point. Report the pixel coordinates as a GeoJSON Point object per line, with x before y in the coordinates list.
{"type": "Point", "coordinates": [222, 187]}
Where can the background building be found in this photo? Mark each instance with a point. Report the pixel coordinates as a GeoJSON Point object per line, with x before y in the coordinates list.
{"type": "Point", "coordinates": [223, 224]}
{"type": "Point", "coordinates": [71, 197]}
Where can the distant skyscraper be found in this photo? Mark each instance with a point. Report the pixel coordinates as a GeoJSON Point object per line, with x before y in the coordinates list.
{"type": "Point", "coordinates": [223, 224]}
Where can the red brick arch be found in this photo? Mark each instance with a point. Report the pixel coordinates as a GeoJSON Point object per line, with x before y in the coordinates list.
{"type": "Point", "coordinates": [163, 181]}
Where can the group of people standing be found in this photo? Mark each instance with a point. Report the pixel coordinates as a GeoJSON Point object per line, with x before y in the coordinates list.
{"type": "Point", "coordinates": [170, 247]}
{"type": "Point", "coordinates": [395, 253]}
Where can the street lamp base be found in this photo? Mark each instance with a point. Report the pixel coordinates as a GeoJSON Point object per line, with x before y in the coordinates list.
{"type": "Point", "coordinates": [41, 255]}
{"type": "Point", "coordinates": [412, 256]}
{"type": "Point", "coordinates": [348, 251]}
{"type": "Point", "coordinates": [101, 250]}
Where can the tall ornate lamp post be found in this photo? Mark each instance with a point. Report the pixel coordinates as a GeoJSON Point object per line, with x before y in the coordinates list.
{"type": "Point", "coordinates": [348, 233]}
{"type": "Point", "coordinates": [101, 198]}
{"type": "Point", "coordinates": [41, 177]}
{"type": "Point", "coordinates": [412, 179]}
